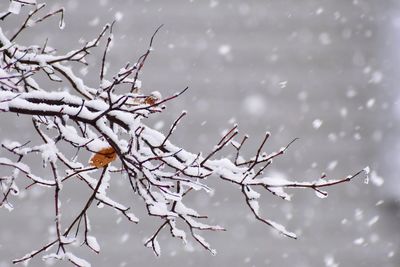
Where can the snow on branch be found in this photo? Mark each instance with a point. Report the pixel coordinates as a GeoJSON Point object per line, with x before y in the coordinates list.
{"type": "Point", "coordinates": [109, 122]}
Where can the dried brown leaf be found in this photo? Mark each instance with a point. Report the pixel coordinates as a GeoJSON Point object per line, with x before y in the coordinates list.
{"type": "Point", "coordinates": [103, 157]}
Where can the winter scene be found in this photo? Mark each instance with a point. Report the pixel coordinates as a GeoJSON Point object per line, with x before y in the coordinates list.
{"type": "Point", "coordinates": [199, 133]}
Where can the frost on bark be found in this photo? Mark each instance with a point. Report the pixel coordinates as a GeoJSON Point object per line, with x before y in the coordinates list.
{"type": "Point", "coordinates": [109, 121]}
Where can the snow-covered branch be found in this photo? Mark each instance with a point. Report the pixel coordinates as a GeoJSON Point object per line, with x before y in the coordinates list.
{"type": "Point", "coordinates": [110, 122]}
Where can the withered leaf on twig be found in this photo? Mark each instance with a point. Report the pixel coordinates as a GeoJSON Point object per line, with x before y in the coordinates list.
{"type": "Point", "coordinates": [103, 157]}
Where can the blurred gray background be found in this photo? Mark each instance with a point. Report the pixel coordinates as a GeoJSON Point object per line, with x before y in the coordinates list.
{"type": "Point", "coordinates": [323, 71]}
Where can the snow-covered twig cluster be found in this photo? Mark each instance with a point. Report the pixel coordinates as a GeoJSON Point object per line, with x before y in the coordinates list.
{"type": "Point", "coordinates": [109, 122]}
